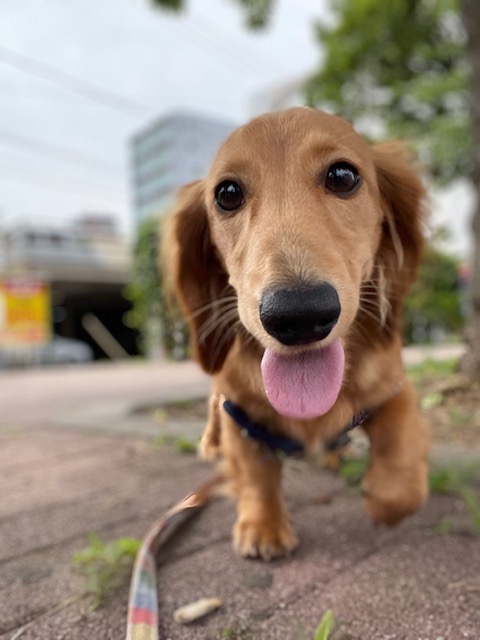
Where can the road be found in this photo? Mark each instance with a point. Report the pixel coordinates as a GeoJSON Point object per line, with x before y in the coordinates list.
{"type": "Point", "coordinates": [40, 396]}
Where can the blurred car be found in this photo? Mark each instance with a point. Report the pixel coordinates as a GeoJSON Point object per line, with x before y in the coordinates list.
{"type": "Point", "coordinates": [59, 350]}
{"type": "Point", "coordinates": [64, 351]}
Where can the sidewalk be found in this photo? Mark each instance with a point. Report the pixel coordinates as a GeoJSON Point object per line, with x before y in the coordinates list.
{"type": "Point", "coordinates": [64, 479]}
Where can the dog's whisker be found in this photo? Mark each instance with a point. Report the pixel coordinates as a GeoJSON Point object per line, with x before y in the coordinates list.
{"type": "Point", "coordinates": [221, 339]}
{"type": "Point", "coordinates": [211, 305]}
{"type": "Point", "coordinates": [217, 322]}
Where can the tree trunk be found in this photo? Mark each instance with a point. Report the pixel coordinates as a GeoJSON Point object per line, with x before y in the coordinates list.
{"type": "Point", "coordinates": [471, 15]}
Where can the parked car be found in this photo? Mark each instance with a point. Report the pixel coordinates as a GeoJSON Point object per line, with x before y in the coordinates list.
{"type": "Point", "coordinates": [64, 351]}
{"type": "Point", "coordinates": [59, 350]}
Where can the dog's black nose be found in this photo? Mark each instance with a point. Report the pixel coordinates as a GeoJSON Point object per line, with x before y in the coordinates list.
{"type": "Point", "coordinates": [300, 315]}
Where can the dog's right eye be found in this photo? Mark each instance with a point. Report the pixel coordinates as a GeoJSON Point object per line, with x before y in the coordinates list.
{"type": "Point", "coordinates": [228, 196]}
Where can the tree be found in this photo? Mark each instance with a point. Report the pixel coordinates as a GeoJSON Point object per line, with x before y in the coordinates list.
{"type": "Point", "coordinates": [435, 301]}
{"type": "Point", "coordinates": [405, 62]}
{"type": "Point", "coordinates": [257, 12]}
{"type": "Point", "coordinates": [151, 315]}
{"type": "Point", "coordinates": [471, 14]}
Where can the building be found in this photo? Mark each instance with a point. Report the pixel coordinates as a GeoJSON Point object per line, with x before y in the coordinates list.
{"type": "Point", "coordinates": [168, 154]}
{"type": "Point", "coordinates": [86, 266]}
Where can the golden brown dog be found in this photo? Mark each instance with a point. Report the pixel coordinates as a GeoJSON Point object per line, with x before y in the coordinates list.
{"type": "Point", "coordinates": [291, 261]}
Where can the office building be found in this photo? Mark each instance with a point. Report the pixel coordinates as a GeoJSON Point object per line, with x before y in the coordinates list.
{"type": "Point", "coordinates": [168, 154]}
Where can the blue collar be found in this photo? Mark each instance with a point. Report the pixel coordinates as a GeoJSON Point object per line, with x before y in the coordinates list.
{"type": "Point", "coordinates": [286, 445]}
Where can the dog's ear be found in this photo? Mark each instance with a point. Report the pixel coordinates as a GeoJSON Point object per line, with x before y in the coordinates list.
{"type": "Point", "coordinates": [403, 202]}
{"type": "Point", "coordinates": [198, 279]}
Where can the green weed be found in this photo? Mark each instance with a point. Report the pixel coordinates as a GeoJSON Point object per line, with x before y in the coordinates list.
{"type": "Point", "coordinates": [460, 417]}
{"type": "Point", "coordinates": [431, 369]}
{"type": "Point", "coordinates": [431, 400]}
{"type": "Point", "coordinates": [325, 627]}
{"type": "Point", "coordinates": [458, 479]}
{"type": "Point", "coordinates": [107, 566]}
{"type": "Point", "coordinates": [179, 443]}
{"type": "Point", "coordinates": [353, 470]}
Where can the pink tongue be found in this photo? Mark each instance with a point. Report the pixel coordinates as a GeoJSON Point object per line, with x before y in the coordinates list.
{"type": "Point", "coordinates": [305, 385]}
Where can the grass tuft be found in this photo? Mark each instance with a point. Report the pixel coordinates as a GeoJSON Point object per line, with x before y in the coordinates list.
{"type": "Point", "coordinates": [107, 566]}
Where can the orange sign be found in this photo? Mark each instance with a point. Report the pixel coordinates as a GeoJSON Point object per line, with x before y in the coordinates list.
{"type": "Point", "coordinates": [24, 312]}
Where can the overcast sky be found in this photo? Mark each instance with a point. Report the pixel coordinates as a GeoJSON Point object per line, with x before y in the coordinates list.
{"type": "Point", "coordinates": [62, 153]}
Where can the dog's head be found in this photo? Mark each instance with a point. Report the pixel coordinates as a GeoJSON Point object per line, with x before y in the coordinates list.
{"type": "Point", "coordinates": [299, 226]}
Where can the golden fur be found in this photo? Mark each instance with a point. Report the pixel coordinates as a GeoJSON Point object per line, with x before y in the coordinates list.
{"type": "Point", "coordinates": [291, 229]}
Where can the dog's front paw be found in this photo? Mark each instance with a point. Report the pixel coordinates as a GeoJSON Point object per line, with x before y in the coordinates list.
{"type": "Point", "coordinates": [264, 539]}
{"type": "Point", "coordinates": [393, 493]}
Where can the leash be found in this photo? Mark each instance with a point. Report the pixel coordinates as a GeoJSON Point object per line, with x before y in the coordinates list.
{"type": "Point", "coordinates": [143, 615]}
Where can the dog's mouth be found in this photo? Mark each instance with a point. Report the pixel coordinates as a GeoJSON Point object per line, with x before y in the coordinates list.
{"type": "Point", "coordinates": [306, 384]}
{"type": "Point", "coordinates": [302, 377]}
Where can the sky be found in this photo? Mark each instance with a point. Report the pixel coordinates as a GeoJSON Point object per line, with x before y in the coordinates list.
{"type": "Point", "coordinates": [61, 152]}
{"type": "Point", "coordinates": [79, 77]}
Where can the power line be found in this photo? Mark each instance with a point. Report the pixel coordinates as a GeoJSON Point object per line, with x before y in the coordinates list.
{"type": "Point", "coordinates": [72, 83]}
{"type": "Point", "coordinates": [192, 33]}
{"type": "Point", "coordinates": [59, 188]}
{"type": "Point", "coordinates": [30, 175]}
{"type": "Point", "coordinates": [227, 36]}
{"type": "Point", "coordinates": [38, 183]}
{"type": "Point", "coordinates": [45, 148]}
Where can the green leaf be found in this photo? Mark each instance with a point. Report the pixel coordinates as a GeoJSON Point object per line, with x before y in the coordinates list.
{"type": "Point", "coordinates": [326, 626]}
{"type": "Point", "coordinates": [404, 63]}
{"type": "Point", "coordinates": [431, 400]}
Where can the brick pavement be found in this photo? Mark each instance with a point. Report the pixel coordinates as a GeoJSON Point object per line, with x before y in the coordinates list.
{"type": "Point", "coordinates": [58, 484]}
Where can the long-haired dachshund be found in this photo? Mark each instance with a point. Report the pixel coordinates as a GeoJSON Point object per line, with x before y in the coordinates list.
{"type": "Point", "coordinates": [291, 261]}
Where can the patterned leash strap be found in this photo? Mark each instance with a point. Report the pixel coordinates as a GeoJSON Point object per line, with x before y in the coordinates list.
{"type": "Point", "coordinates": [143, 615]}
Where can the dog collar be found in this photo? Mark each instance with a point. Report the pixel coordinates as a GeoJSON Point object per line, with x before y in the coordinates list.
{"type": "Point", "coordinates": [257, 432]}
{"type": "Point", "coordinates": [284, 444]}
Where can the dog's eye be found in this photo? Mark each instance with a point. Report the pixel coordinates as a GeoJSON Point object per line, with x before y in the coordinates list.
{"type": "Point", "coordinates": [342, 178]}
{"type": "Point", "coordinates": [228, 196]}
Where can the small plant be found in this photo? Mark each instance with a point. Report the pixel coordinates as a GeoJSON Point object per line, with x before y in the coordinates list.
{"type": "Point", "coordinates": [107, 566]}
{"type": "Point", "coordinates": [179, 443]}
{"type": "Point", "coordinates": [472, 505]}
{"type": "Point", "coordinates": [445, 527]}
{"type": "Point", "coordinates": [432, 369]}
{"type": "Point", "coordinates": [324, 630]}
{"type": "Point", "coordinates": [460, 417]}
{"type": "Point", "coordinates": [236, 633]}
{"type": "Point", "coordinates": [184, 445]}
{"type": "Point", "coordinates": [451, 478]}
{"type": "Point", "coordinates": [353, 470]}
{"type": "Point", "coordinates": [431, 400]}
{"type": "Point", "coordinates": [458, 479]}
{"type": "Point", "coordinates": [325, 627]}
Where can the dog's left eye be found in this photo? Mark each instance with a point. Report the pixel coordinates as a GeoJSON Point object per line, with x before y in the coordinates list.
{"type": "Point", "coordinates": [228, 196]}
{"type": "Point", "coordinates": [342, 178]}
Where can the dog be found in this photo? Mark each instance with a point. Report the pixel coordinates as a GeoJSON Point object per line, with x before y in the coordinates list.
{"type": "Point", "coordinates": [291, 261]}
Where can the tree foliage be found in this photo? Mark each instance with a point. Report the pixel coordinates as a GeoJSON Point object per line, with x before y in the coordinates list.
{"type": "Point", "coordinates": [146, 293]}
{"type": "Point", "coordinates": [403, 61]}
{"type": "Point", "coordinates": [257, 12]}
{"type": "Point", "coordinates": [434, 305]}
{"type": "Point", "coordinates": [144, 289]}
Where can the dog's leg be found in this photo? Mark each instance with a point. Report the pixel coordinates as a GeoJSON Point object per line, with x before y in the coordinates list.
{"type": "Point", "coordinates": [262, 528]}
{"type": "Point", "coordinates": [210, 442]}
{"type": "Point", "coordinates": [396, 482]}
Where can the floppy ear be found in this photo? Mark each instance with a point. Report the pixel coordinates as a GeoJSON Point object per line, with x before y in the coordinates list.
{"type": "Point", "coordinates": [403, 199]}
{"type": "Point", "coordinates": [198, 279]}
